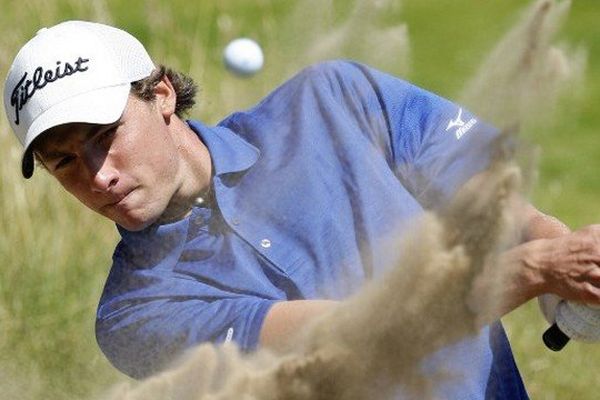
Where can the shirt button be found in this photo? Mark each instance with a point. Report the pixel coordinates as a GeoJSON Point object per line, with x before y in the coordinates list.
{"type": "Point", "coordinates": [235, 221]}
{"type": "Point", "coordinates": [266, 243]}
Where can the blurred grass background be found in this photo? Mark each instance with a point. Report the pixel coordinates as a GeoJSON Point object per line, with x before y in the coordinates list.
{"type": "Point", "coordinates": [54, 255]}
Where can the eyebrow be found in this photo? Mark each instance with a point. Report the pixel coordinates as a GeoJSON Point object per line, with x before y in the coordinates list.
{"type": "Point", "coordinates": [90, 131]}
{"type": "Point", "coordinates": [53, 155]}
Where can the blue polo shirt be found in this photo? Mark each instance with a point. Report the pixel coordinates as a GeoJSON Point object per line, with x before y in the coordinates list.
{"type": "Point", "coordinates": [310, 187]}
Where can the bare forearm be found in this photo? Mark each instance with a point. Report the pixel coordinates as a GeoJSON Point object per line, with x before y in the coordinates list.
{"type": "Point", "coordinates": [285, 319]}
{"type": "Point", "coordinates": [541, 226]}
{"type": "Point", "coordinates": [524, 276]}
{"type": "Point", "coordinates": [507, 282]}
{"type": "Point", "coordinates": [566, 266]}
{"type": "Point", "coordinates": [521, 273]}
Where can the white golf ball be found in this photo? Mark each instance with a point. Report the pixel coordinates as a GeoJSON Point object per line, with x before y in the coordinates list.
{"type": "Point", "coordinates": [243, 56]}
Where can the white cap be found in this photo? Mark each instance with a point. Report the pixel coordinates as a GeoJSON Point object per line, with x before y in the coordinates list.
{"type": "Point", "coordinates": [75, 71]}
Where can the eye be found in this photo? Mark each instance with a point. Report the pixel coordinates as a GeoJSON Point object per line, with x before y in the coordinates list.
{"type": "Point", "coordinates": [63, 162]}
{"type": "Point", "coordinates": [105, 136]}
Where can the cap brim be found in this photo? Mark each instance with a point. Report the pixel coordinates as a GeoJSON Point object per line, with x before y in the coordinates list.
{"type": "Point", "coordinates": [27, 164]}
{"type": "Point", "coordinates": [100, 106]}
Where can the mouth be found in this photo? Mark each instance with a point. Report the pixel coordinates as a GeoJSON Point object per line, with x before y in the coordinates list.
{"type": "Point", "coordinates": [120, 200]}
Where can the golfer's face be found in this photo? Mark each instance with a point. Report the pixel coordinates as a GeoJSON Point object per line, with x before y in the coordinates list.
{"type": "Point", "coordinates": [126, 171]}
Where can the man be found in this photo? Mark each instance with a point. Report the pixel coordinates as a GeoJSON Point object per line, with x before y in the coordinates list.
{"type": "Point", "coordinates": [247, 230]}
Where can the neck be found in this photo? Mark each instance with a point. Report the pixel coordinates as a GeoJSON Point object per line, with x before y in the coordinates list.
{"type": "Point", "coordinates": [195, 174]}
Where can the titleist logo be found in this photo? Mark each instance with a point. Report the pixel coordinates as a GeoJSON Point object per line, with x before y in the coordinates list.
{"type": "Point", "coordinates": [26, 88]}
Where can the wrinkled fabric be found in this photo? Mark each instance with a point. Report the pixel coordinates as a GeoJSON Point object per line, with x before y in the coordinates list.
{"type": "Point", "coordinates": [311, 187]}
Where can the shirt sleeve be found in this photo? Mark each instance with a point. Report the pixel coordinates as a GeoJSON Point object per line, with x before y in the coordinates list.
{"type": "Point", "coordinates": [149, 316]}
{"type": "Point", "coordinates": [432, 144]}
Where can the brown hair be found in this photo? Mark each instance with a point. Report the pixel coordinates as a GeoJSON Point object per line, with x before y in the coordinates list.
{"type": "Point", "coordinates": [185, 88]}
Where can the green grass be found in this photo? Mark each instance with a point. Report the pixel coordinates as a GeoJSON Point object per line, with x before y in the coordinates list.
{"type": "Point", "coordinates": [55, 256]}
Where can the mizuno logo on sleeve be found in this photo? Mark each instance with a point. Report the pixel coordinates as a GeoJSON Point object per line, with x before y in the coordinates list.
{"type": "Point", "coordinates": [461, 126]}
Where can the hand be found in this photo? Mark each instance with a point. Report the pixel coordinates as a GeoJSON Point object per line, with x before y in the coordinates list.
{"type": "Point", "coordinates": [569, 265]}
{"type": "Point", "coordinates": [566, 266]}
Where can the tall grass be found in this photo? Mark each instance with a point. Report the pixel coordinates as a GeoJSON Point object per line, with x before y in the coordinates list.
{"type": "Point", "coordinates": [55, 255]}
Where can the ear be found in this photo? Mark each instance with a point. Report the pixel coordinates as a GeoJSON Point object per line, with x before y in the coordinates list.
{"type": "Point", "coordinates": [166, 98]}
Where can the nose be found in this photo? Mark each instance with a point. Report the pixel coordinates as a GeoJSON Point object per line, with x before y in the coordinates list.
{"type": "Point", "coordinates": [103, 175]}
{"type": "Point", "coordinates": [104, 180]}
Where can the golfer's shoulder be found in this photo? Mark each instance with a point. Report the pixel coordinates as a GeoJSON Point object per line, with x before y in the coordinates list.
{"type": "Point", "coordinates": [334, 70]}
{"type": "Point", "coordinates": [337, 76]}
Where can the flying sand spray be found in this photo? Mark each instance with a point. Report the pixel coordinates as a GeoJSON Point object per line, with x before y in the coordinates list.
{"type": "Point", "coordinates": [509, 81]}
{"type": "Point", "coordinates": [337, 357]}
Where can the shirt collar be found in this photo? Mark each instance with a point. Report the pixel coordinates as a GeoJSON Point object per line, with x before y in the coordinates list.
{"type": "Point", "coordinates": [228, 151]}
{"type": "Point", "coordinates": [229, 154]}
